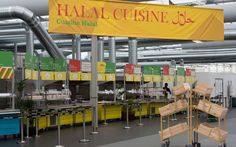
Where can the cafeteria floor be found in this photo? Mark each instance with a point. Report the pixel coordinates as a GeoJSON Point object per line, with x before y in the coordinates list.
{"type": "Point", "coordinates": [113, 135]}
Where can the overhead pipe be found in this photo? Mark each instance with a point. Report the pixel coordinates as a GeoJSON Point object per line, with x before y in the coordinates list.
{"type": "Point", "coordinates": [112, 49]}
{"type": "Point", "coordinates": [193, 56]}
{"type": "Point", "coordinates": [208, 45]}
{"type": "Point", "coordinates": [35, 25]}
{"type": "Point", "coordinates": [78, 46]}
{"type": "Point", "coordinates": [229, 11]}
{"type": "Point", "coordinates": [144, 63]}
{"type": "Point", "coordinates": [229, 26]}
{"type": "Point", "coordinates": [219, 1]}
{"type": "Point", "coordinates": [29, 42]}
{"type": "Point", "coordinates": [133, 54]}
{"type": "Point", "coordinates": [186, 52]}
{"type": "Point", "coordinates": [229, 35]}
{"type": "Point", "coordinates": [100, 49]}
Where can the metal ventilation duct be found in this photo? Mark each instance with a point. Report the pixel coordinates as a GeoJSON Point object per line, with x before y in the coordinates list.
{"type": "Point", "coordinates": [35, 25]}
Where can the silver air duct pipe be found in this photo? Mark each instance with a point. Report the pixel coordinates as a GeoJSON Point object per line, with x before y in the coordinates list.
{"type": "Point", "coordinates": [229, 11]}
{"type": "Point", "coordinates": [208, 45]}
{"type": "Point", "coordinates": [35, 25]}
{"type": "Point", "coordinates": [145, 63]}
{"type": "Point", "coordinates": [133, 54]}
{"type": "Point", "coordinates": [219, 1]}
{"type": "Point", "coordinates": [193, 56]}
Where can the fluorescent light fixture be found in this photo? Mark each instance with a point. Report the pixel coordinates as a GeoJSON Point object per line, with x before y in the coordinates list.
{"type": "Point", "coordinates": [197, 41]}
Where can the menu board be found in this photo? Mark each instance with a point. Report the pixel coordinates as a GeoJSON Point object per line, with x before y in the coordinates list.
{"type": "Point", "coordinates": [85, 66]}
{"type": "Point", "coordinates": [101, 67]}
{"type": "Point", "coordinates": [129, 68]}
{"type": "Point", "coordinates": [74, 65]}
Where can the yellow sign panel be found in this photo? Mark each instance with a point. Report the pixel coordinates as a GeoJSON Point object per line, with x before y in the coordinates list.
{"type": "Point", "coordinates": [137, 77]}
{"type": "Point", "coordinates": [35, 75]}
{"type": "Point", "coordinates": [60, 76]}
{"type": "Point", "coordinates": [180, 78]}
{"type": "Point", "coordinates": [74, 76]}
{"type": "Point", "coordinates": [101, 67]}
{"type": "Point", "coordinates": [193, 79]}
{"type": "Point", "coordinates": [110, 77]}
{"type": "Point", "coordinates": [129, 77]}
{"type": "Point", "coordinates": [168, 79]}
{"type": "Point", "coordinates": [47, 75]}
{"type": "Point", "coordinates": [101, 77]}
{"type": "Point", "coordinates": [117, 18]}
{"type": "Point", "coordinates": [28, 74]}
{"type": "Point", "coordinates": [147, 78]}
{"type": "Point", "coordinates": [86, 76]}
{"type": "Point", "coordinates": [188, 79]}
{"type": "Point", "coordinates": [156, 78]}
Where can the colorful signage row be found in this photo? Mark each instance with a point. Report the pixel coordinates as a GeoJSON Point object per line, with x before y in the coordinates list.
{"type": "Point", "coordinates": [61, 76]}
{"type": "Point", "coordinates": [158, 74]}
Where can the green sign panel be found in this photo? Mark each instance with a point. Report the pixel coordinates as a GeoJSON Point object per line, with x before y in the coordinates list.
{"type": "Point", "coordinates": [46, 63]}
{"type": "Point", "coordinates": [60, 65]}
{"type": "Point", "coordinates": [147, 70]}
{"type": "Point", "coordinates": [181, 71]}
{"type": "Point", "coordinates": [110, 67]}
{"type": "Point", "coordinates": [29, 61]}
{"type": "Point", "coordinates": [6, 59]}
{"type": "Point", "coordinates": [156, 70]}
{"type": "Point", "coordinates": [36, 62]}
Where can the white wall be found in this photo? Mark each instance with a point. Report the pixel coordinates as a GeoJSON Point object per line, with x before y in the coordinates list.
{"type": "Point", "coordinates": [209, 78]}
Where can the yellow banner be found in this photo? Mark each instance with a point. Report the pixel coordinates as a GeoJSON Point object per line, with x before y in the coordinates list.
{"type": "Point", "coordinates": [74, 76]}
{"type": "Point", "coordinates": [110, 77]}
{"type": "Point", "coordinates": [101, 77]}
{"type": "Point", "coordinates": [147, 78]}
{"type": "Point", "coordinates": [190, 79]}
{"type": "Point", "coordinates": [35, 75]}
{"type": "Point", "coordinates": [137, 77]}
{"type": "Point", "coordinates": [116, 18]}
{"type": "Point", "coordinates": [180, 78]}
{"type": "Point", "coordinates": [60, 76]}
{"type": "Point", "coordinates": [168, 79]}
{"type": "Point", "coordinates": [101, 67]}
{"type": "Point", "coordinates": [86, 76]}
{"type": "Point", "coordinates": [156, 78]}
{"type": "Point", "coordinates": [28, 74]}
{"type": "Point", "coordinates": [47, 75]}
{"type": "Point", "coordinates": [129, 77]}
{"type": "Point", "coordinates": [193, 79]}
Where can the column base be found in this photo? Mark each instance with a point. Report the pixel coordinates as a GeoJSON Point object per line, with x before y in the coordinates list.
{"type": "Point", "coordinates": [59, 146]}
{"type": "Point", "coordinates": [84, 140]}
{"type": "Point", "coordinates": [140, 124]}
{"type": "Point", "coordinates": [28, 137]}
{"type": "Point", "coordinates": [94, 133]}
{"type": "Point", "coordinates": [104, 124]}
{"type": "Point", "coordinates": [21, 142]}
{"type": "Point", "coordinates": [127, 127]}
